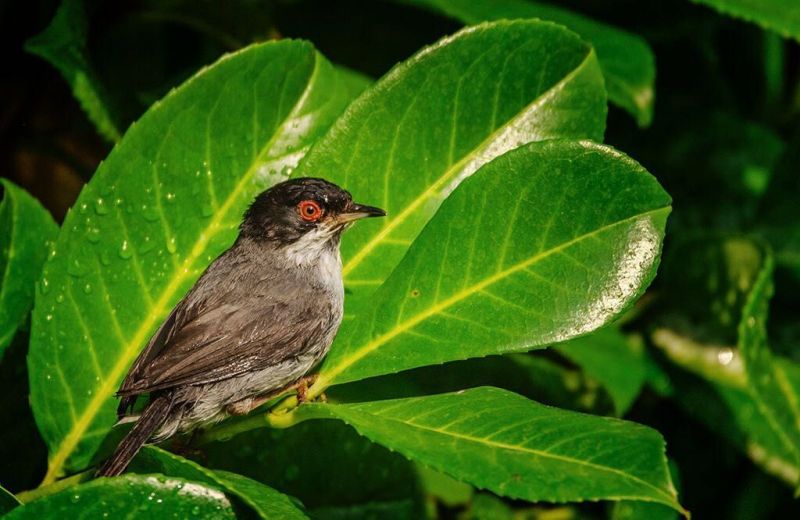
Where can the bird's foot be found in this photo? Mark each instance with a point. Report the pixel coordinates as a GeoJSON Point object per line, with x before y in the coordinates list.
{"type": "Point", "coordinates": [245, 406]}
{"type": "Point", "coordinates": [302, 387]}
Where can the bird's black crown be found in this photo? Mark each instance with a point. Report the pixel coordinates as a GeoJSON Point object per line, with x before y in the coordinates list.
{"type": "Point", "coordinates": [274, 214]}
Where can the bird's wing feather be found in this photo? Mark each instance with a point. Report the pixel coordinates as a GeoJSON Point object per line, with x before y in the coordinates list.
{"type": "Point", "coordinates": [224, 342]}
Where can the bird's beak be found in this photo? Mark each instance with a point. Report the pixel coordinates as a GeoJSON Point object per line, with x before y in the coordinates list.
{"type": "Point", "coordinates": [359, 211]}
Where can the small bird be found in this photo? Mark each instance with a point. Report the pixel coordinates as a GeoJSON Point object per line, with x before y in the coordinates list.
{"type": "Point", "coordinates": [261, 316]}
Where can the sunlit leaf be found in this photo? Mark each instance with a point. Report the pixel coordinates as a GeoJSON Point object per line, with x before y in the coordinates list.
{"type": "Point", "coordinates": [548, 242]}
{"type": "Point", "coordinates": [626, 59]}
{"type": "Point", "coordinates": [167, 200]}
{"type": "Point", "coordinates": [133, 497]}
{"type": "Point", "coordinates": [517, 448]}
{"type": "Point", "coordinates": [264, 501]}
{"type": "Point", "coordinates": [435, 119]}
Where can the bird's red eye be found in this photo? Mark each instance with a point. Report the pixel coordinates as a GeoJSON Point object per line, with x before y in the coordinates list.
{"type": "Point", "coordinates": [309, 211]}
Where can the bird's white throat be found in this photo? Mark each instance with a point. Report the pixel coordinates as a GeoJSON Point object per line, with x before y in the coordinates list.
{"type": "Point", "coordinates": [314, 249]}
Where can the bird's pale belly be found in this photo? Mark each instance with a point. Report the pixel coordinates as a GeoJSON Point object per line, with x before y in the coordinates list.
{"type": "Point", "coordinates": [210, 400]}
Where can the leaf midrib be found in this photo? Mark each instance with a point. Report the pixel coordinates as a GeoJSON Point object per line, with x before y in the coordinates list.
{"type": "Point", "coordinates": [457, 167]}
{"type": "Point", "coordinates": [327, 378]}
{"type": "Point", "coordinates": [545, 454]}
{"type": "Point", "coordinates": [131, 348]}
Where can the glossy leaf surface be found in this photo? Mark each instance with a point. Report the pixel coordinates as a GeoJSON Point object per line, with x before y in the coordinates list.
{"type": "Point", "coordinates": [431, 122]}
{"type": "Point", "coordinates": [517, 448]}
{"type": "Point", "coordinates": [166, 201]}
{"type": "Point", "coordinates": [130, 496]}
{"type": "Point", "coordinates": [627, 61]}
{"type": "Point", "coordinates": [548, 242]}
{"type": "Point", "coordinates": [26, 234]}
{"type": "Point", "coordinates": [264, 501]}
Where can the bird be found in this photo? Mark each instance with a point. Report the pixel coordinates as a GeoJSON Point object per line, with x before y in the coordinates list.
{"type": "Point", "coordinates": [256, 322]}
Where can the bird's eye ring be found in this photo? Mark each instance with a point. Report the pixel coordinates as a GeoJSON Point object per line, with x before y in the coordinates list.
{"type": "Point", "coordinates": [309, 211]}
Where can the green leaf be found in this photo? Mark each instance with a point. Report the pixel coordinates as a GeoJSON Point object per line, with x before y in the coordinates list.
{"type": "Point", "coordinates": [167, 200]}
{"type": "Point", "coordinates": [130, 497]}
{"type": "Point", "coordinates": [7, 501]}
{"type": "Point", "coordinates": [343, 470]}
{"type": "Point", "coordinates": [717, 285]}
{"type": "Point", "coordinates": [775, 386]}
{"type": "Point", "coordinates": [731, 410]}
{"type": "Point", "coordinates": [63, 45]}
{"type": "Point", "coordinates": [26, 233]}
{"type": "Point", "coordinates": [777, 15]}
{"type": "Point", "coordinates": [514, 447]}
{"type": "Point", "coordinates": [432, 121]}
{"type": "Point", "coordinates": [627, 61]}
{"type": "Point", "coordinates": [613, 360]}
{"type": "Point", "coordinates": [263, 500]}
{"type": "Point", "coordinates": [548, 242]}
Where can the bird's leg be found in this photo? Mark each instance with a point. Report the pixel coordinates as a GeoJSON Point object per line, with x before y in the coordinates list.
{"type": "Point", "coordinates": [245, 406]}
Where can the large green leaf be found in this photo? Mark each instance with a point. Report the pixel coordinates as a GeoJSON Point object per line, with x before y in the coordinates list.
{"type": "Point", "coordinates": [130, 497]}
{"type": "Point", "coordinates": [63, 44]}
{"type": "Point", "coordinates": [613, 360]}
{"type": "Point", "coordinates": [775, 387]}
{"type": "Point", "coordinates": [626, 59]}
{"type": "Point", "coordinates": [264, 501]}
{"type": "Point", "coordinates": [777, 15]}
{"type": "Point", "coordinates": [517, 448]}
{"type": "Point", "coordinates": [26, 232]}
{"type": "Point", "coordinates": [548, 242]}
{"type": "Point", "coordinates": [167, 200]}
{"type": "Point", "coordinates": [435, 119]}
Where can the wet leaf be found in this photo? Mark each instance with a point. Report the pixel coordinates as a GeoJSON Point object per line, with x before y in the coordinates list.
{"type": "Point", "coordinates": [516, 448]}
{"type": "Point", "coordinates": [26, 234]}
{"type": "Point", "coordinates": [627, 61]}
{"type": "Point", "coordinates": [167, 200]}
{"type": "Point", "coordinates": [548, 242]}
{"type": "Point", "coordinates": [131, 496]}
{"type": "Point", "coordinates": [435, 119]}
{"type": "Point", "coordinates": [264, 501]}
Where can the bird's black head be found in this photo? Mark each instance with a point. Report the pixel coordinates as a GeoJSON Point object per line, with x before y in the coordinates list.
{"type": "Point", "coordinates": [303, 207]}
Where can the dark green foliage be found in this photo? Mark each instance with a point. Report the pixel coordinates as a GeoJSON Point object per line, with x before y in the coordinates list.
{"type": "Point", "coordinates": [503, 353]}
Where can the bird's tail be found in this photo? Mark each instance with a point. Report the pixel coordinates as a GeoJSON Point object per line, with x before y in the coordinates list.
{"type": "Point", "coordinates": [152, 417]}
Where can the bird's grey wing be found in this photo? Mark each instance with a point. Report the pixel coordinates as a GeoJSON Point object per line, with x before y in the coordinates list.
{"type": "Point", "coordinates": [174, 322]}
{"type": "Point", "coordinates": [223, 342]}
